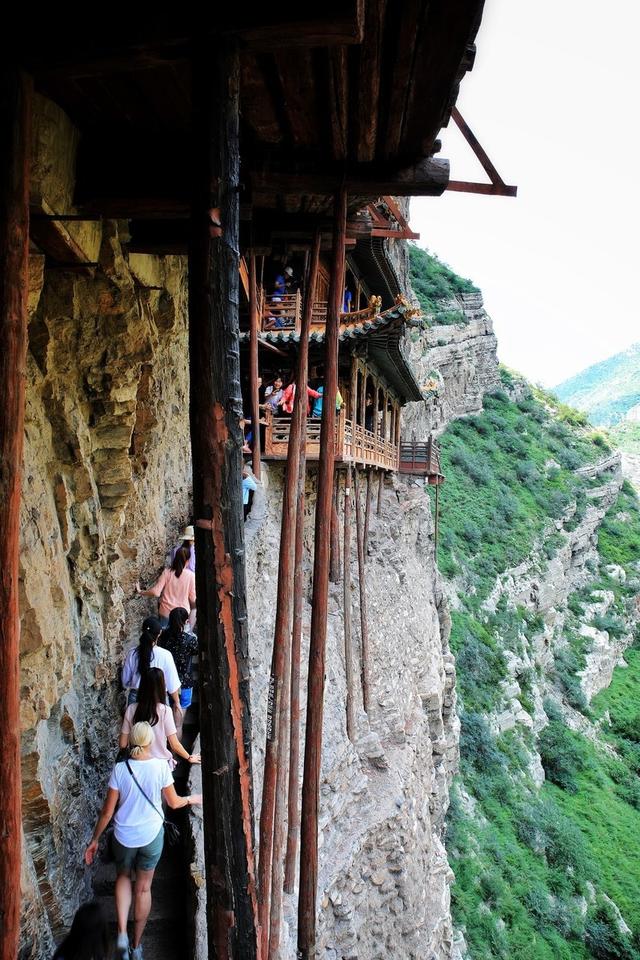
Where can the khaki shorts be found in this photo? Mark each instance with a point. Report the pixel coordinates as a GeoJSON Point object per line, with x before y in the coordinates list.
{"type": "Point", "coordinates": [140, 858]}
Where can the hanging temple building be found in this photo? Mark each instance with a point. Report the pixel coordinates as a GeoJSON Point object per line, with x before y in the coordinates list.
{"type": "Point", "coordinates": [159, 172]}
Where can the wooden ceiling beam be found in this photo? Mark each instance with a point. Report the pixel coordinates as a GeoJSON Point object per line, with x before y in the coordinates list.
{"type": "Point", "coordinates": [336, 31]}
{"type": "Point", "coordinates": [339, 102]}
{"type": "Point", "coordinates": [408, 22]}
{"type": "Point", "coordinates": [57, 52]}
{"type": "Point", "coordinates": [295, 74]}
{"type": "Point", "coordinates": [428, 178]}
{"type": "Point", "coordinates": [369, 71]}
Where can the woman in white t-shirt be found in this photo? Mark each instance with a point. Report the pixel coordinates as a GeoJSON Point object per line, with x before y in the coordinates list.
{"type": "Point", "coordinates": [148, 654]}
{"type": "Point", "coordinates": [151, 708]}
{"type": "Point", "coordinates": [138, 835]}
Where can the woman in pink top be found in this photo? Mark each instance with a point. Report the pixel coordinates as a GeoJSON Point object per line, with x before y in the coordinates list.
{"type": "Point", "coordinates": [152, 708]}
{"type": "Point", "coordinates": [288, 397]}
{"type": "Point", "coordinates": [176, 587]}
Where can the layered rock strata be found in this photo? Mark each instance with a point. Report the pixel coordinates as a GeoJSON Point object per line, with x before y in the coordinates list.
{"type": "Point", "coordinates": [384, 876]}
{"type": "Point", "coordinates": [106, 478]}
{"type": "Point", "coordinates": [455, 366]}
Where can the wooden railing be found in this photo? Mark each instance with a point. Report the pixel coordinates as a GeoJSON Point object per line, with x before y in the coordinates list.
{"type": "Point", "coordinates": [354, 444]}
{"type": "Point", "coordinates": [287, 309]}
{"type": "Point", "coordinates": [363, 446]}
{"type": "Point", "coordinates": [421, 458]}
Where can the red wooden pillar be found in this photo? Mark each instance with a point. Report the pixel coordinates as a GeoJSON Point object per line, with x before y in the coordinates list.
{"type": "Point", "coordinates": [15, 121]}
{"type": "Point", "coordinates": [275, 769]}
{"type": "Point", "coordinates": [334, 553]}
{"type": "Point", "coordinates": [216, 443]}
{"type": "Point", "coordinates": [253, 366]}
{"type": "Point", "coordinates": [293, 806]}
{"type": "Point", "coordinates": [320, 596]}
{"type": "Point", "coordinates": [346, 583]}
{"type": "Point", "coordinates": [364, 625]}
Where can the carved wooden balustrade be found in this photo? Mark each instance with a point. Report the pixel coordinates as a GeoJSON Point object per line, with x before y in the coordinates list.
{"type": "Point", "coordinates": [354, 443]}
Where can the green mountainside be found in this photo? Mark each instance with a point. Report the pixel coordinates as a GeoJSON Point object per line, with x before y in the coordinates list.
{"type": "Point", "coordinates": [626, 436]}
{"type": "Point", "coordinates": [606, 390]}
{"type": "Point", "coordinates": [543, 871]}
{"type": "Point", "coordinates": [436, 286]}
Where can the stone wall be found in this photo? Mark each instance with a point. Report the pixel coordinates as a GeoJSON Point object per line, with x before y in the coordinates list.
{"type": "Point", "coordinates": [105, 485]}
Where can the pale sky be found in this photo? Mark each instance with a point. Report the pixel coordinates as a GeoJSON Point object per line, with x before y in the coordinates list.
{"type": "Point", "coordinates": [553, 98]}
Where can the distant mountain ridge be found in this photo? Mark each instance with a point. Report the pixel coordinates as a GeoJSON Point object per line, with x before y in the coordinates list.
{"type": "Point", "coordinates": [606, 391]}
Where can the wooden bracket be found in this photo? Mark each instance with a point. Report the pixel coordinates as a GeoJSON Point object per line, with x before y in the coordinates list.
{"type": "Point", "coordinates": [497, 186]}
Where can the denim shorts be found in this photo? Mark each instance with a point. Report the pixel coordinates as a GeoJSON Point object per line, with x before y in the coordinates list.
{"type": "Point", "coordinates": [140, 858]}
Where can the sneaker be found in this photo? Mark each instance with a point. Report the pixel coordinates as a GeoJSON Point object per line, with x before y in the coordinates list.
{"type": "Point", "coordinates": [122, 947]}
{"type": "Point", "coordinates": [136, 953]}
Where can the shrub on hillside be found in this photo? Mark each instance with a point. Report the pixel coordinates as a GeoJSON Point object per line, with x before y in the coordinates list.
{"type": "Point", "coordinates": [561, 755]}
{"type": "Point", "coordinates": [604, 938]}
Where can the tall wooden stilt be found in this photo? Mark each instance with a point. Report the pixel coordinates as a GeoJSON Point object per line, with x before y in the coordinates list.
{"type": "Point", "coordinates": [367, 512]}
{"type": "Point", "coordinates": [253, 366]}
{"type": "Point", "coordinates": [348, 642]}
{"type": "Point", "coordinates": [320, 596]}
{"type": "Point", "coordinates": [364, 627]}
{"type": "Point", "coordinates": [380, 489]}
{"type": "Point", "coordinates": [334, 553]}
{"type": "Point", "coordinates": [437, 522]}
{"type": "Point", "coordinates": [276, 759]}
{"type": "Point", "coordinates": [293, 807]}
{"type": "Point", "coordinates": [15, 122]}
{"type": "Point", "coordinates": [216, 443]}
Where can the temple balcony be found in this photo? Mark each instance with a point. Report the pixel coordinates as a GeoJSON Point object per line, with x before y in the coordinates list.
{"type": "Point", "coordinates": [353, 443]}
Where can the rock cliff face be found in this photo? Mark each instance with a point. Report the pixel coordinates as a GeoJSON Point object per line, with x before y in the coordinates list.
{"type": "Point", "coordinates": [106, 489]}
{"type": "Point", "coordinates": [106, 476]}
{"type": "Point", "coordinates": [384, 875]}
{"type": "Point", "coordinates": [455, 365]}
{"type": "Point", "coordinates": [542, 586]}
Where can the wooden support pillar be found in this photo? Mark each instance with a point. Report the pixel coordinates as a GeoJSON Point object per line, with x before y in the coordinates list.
{"type": "Point", "coordinates": [367, 513]}
{"type": "Point", "coordinates": [15, 123]}
{"type": "Point", "coordinates": [380, 489]}
{"type": "Point", "coordinates": [320, 596]}
{"type": "Point", "coordinates": [353, 406]}
{"type": "Point", "coordinates": [293, 807]}
{"type": "Point", "coordinates": [364, 627]}
{"type": "Point", "coordinates": [348, 641]}
{"type": "Point", "coordinates": [216, 443]}
{"type": "Point", "coordinates": [253, 366]}
{"type": "Point", "coordinates": [436, 523]}
{"type": "Point", "coordinates": [272, 812]}
{"type": "Point", "coordinates": [334, 551]}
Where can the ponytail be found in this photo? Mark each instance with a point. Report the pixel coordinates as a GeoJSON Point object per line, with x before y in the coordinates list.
{"type": "Point", "coordinates": [151, 628]}
{"type": "Point", "coordinates": [140, 737]}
